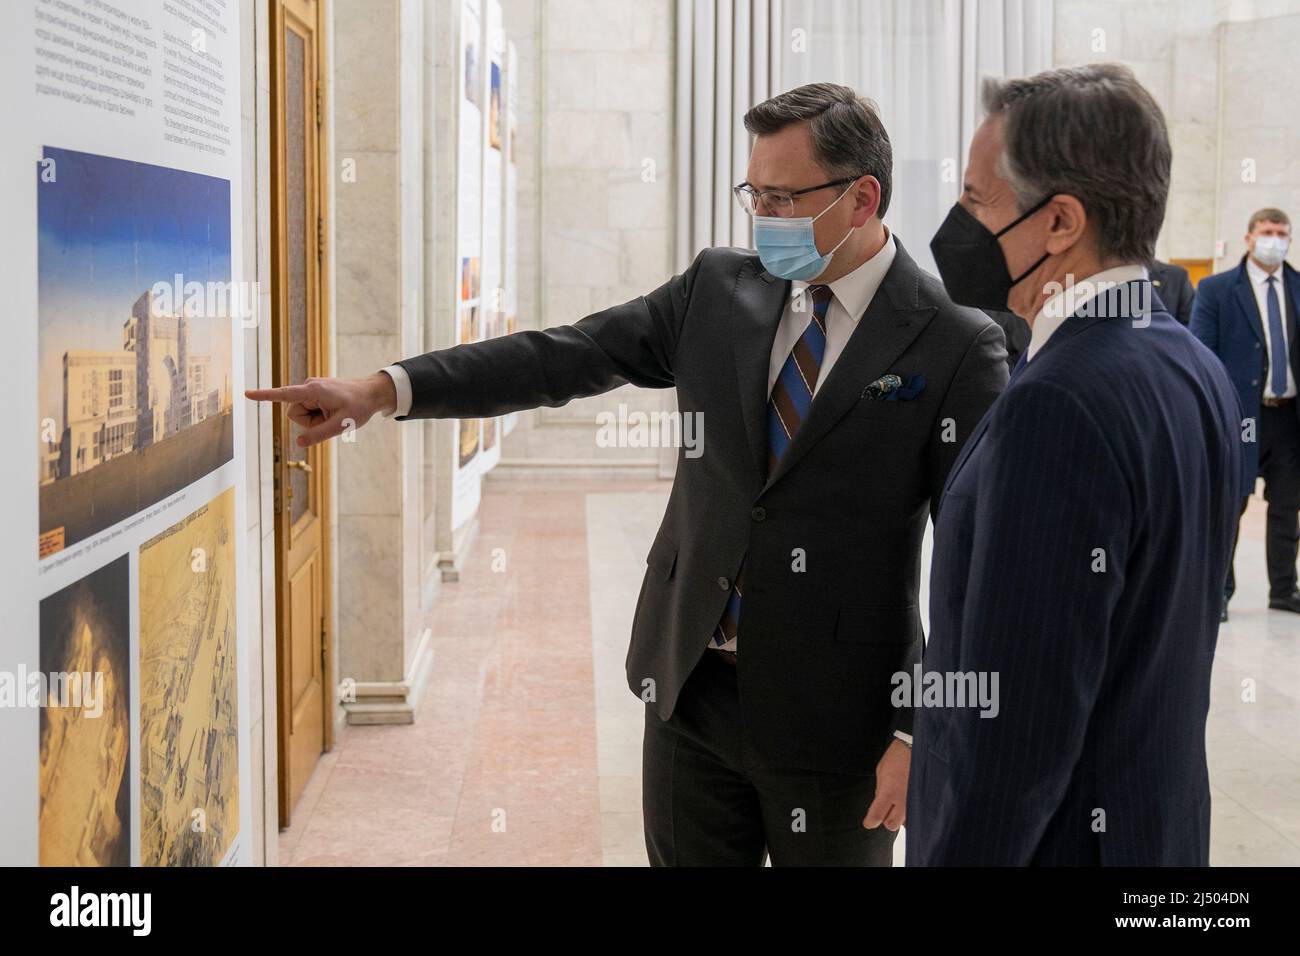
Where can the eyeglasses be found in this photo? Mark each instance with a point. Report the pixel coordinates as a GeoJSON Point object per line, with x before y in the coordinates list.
{"type": "Point", "coordinates": [777, 202]}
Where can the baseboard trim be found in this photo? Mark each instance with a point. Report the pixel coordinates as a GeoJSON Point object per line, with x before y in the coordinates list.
{"type": "Point", "coordinates": [452, 560]}
{"type": "Point", "coordinates": [573, 468]}
{"type": "Point", "coordinates": [393, 702]}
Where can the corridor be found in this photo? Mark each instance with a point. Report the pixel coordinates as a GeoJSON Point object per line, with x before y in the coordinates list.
{"type": "Point", "coordinates": [526, 747]}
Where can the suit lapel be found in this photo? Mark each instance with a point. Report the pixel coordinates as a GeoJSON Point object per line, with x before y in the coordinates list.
{"type": "Point", "coordinates": [1291, 280]}
{"type": "Point", "coordinates": [893, 319]}
{"type": "Point", "coordinates": [756, 312]}
{"type": "Point", "coordinates": [1248, 304]}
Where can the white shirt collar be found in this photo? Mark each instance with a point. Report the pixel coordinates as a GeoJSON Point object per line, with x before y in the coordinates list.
{"type": "Point", "coordinates": [1258, 275]}
{"type": "Point", "coordinates": [856, 290]}
{"type": "Point", "coordinates": [1067, 302]}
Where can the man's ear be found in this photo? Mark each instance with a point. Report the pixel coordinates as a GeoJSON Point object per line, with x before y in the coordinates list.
{"type": "Point", "coordinates": [866, 200]}
{"type": "Point", "coordinates": [1067, 223]}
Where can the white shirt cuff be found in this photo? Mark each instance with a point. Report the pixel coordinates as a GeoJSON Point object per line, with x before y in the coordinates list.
{"type": "Point", "coordinates": [905, 738]}
{"type": "Point", "coordinates": [401, 382]}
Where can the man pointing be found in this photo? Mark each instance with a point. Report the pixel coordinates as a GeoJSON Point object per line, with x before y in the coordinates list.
{"type": "Point", "coordinates": [836, 382]}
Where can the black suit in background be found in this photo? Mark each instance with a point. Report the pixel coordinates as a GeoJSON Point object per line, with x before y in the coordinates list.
{"type": "Point", "coordinates": [1017, 334]}
{"type": "Point", "coordinates": [1173, 286]}
{"type": "Point", "coordinates": [831, 540]}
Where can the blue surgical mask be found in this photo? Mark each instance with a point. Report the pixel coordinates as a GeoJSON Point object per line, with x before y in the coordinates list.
{"type": "Point", "coordinates": [787, 248]}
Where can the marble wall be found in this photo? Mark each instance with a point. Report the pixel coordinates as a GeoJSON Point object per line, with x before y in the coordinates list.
{"type": "Point", "coordinates": [1259, 162]}
{"type": "Point", "coordinates": [596, 196]}
{"type": "Point", "coordinates": [375, 164]}
{"type": "Point", "coordinates": [1206, 62]}
{"type": "Point", "coordinates": [258, 613]}
{"type": "Point", "coordinates": [366, 318]}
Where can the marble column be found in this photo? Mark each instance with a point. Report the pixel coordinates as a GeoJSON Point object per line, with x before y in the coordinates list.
{"type": "Point", "coordinates": [377, 231]}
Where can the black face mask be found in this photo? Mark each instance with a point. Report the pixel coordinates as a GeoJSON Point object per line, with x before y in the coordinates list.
{"type": "Point", "coordinates": [971, 262]}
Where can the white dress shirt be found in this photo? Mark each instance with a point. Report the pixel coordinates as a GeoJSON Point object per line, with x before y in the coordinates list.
{"type": "Point", "coordinates": [401, 382]}
{"type": "Point", "coordinates": [1259, 283]}
{"type": "Point", "coordinates": [850, 296]}
{"type": "Point", "coordinates": [1069, 300]}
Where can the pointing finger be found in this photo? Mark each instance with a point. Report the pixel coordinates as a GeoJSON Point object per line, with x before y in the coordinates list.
{"type": "Point", "coordinates": [286, 393]}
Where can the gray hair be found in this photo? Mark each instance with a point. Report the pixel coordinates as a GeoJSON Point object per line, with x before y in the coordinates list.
{"type": "Point", "coordinates": [1095, 133]}
{"type": "Point", "coordinates": [847, 135]}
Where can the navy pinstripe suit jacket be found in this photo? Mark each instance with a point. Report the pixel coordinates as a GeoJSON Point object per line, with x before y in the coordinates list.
{"type": "Point", "coordinates": [1080, 553]}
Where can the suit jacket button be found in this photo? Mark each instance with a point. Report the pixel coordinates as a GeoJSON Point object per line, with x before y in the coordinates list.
{"type": "Point", "coordinates": [759, 513]}
{"type": "Point", "coordinates": [1256, 345]}
{"type": "Point", "coordinates": [1254, 381]}
{"type": "Point", "coordinates": [724, 584]}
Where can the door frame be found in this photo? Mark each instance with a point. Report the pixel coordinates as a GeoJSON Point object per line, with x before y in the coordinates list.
{"type": "Point", "coordinates": [323, 472]}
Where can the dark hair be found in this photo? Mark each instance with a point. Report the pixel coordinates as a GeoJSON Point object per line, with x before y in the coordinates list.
{"type": "Point", "coordinates": [847, 135]}
{"type": "Point", "coordinates": [1095, 133]}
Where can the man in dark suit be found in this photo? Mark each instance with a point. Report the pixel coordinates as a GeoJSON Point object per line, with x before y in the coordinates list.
{"type": "Point", "coordinates": [836, 383]}
{"type": "Point", "coordinates": [1173, 286]}
{"type": "Point", "coordinates": [1084, 531]}
{"type": "Point", "coordinates": [1247, 317]}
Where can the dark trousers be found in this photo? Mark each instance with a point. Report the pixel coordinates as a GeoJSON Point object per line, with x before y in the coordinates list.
{"type": "Point", "coordinates": [1279, 465]}
{"type": "Point", "coordinates": [706, 803]}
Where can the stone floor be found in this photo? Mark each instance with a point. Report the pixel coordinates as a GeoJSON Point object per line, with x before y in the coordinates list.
{"type": "Point", "coordinates": [527, 746]}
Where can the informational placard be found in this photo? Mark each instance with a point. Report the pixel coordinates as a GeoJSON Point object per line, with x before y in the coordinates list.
{"type": "Point", "coordinates": [511, 271]}
{"type": "Point", "coordinates": [124, 661]}
{"type": "Point", "coordinates": [469, 246]}
{"type": "Point", "coordinates": [493, 312]}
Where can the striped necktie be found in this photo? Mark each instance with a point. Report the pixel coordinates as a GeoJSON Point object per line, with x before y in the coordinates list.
{"type": "Point", "coordinates": [787, 408]}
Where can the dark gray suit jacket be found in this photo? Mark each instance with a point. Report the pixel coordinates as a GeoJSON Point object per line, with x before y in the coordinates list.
{"type": "Point", "coordinates": [822, 634]}
{"type": "Point", "coordinates": [1017, 333]}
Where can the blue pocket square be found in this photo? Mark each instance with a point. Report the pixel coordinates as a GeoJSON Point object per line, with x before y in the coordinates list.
{"type": "Point", "coordinates": [894, 388]}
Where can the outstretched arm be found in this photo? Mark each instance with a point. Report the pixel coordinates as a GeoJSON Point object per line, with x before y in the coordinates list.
{"type": "Point", "coordinates": [629, 343]}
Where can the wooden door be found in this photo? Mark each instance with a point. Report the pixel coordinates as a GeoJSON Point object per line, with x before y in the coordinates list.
{"type": "Point", "coordinates": [1197, 269]}
{"type": "Point", "coordinates": [299, 339]}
